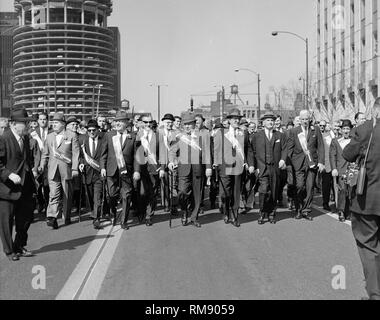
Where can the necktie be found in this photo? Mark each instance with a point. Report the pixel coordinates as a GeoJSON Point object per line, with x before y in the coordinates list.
{"type": "Point", "coordinates": [93, 148]}
{"type": "Point", "coordinates": [21, 143]}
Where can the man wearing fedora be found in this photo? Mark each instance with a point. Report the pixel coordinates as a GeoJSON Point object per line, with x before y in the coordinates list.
{"type": "Point", "coordinates": [119, 166]}
{"type": "Point", "coordinates": [270, 152]}
{"type": "Point", "coordinates": [339, 166]}
{"type": "Point", "coordinates": [16, 186]}
{"type": "Point", "coordinates": [39, 135]}
{"type": "Point", "coordinates": [191, 152]}
{"type": "Point", "coordinates": [166, 138]}
{"type": "Point", "coordinates": [232, 155]}
{"type": "Point", "coordinates": [307, 154]}
{"type": "Point", "coordinates": [61, 156]}
{"type": "Point", "coordinates": [90, 153]}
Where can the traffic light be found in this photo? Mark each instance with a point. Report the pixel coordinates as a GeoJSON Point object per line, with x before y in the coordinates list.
{"type": "Point", "coordinates": [192, 105]}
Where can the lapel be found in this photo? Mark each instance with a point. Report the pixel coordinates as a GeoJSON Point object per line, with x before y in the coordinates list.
{"type": "Point", "coordinates": [125, 143]}
{"type": "Point", "coordinates": [98, 146]}
{"type": "Point", "coordinates": [15, 143]}
{"type": "Point", "coordinates": [309, 133]}
{"type": "Point", "coordinates": [63, 138]}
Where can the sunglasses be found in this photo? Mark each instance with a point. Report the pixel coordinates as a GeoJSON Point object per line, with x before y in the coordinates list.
{"type": "Point", "coordinates": [147, 122]}
{"type": "Point", "coordinates": [91, 130]}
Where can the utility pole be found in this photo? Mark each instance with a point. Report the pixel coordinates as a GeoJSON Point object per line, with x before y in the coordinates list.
{"type": "Point", "coordinates": [159, 98]}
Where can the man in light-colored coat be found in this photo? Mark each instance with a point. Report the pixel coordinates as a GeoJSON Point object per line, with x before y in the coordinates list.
{"type": "Point", "coordinates": [61, 154]}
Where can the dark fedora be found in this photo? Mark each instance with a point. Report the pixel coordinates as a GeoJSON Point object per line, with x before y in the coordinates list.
{"type": "Point", "coordinates": [121, 116]}
{"type": "Point", "coordinates": [188, 118]}
{"type": "Point", "coordinates": [59, 117]}
{"type": "Point", "coordinates": [92, 124]}
{"type": "Point", "coordinates": [234, 114]}
{"type": "Point", "coordinates": [346, 123]}
{"type": "Point", "coordinates": [269, 116]}
{"type": "Point", "coordinates": [244, 122]}
{"type": "Point", "coordinates": [20, 115]}
{"type": "Point", "coordinates": [168, 116]}
{"type": "Point", "coordinates": [72, 119]}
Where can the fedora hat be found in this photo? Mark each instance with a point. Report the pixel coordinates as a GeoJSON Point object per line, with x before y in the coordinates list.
{"type": "Point", "coordinates": [269, 116]}
{"type": "Point", "coordinates": [120, 116]}
{"type": "Point", "coordinates": [92, 124]}
{"type": "Point", "coordinates": [168, 116]}
{"type": "Point", "coordinates": [234, 113]}
{"type": "Point", "coordinates": [20, 115]}
{"type": "Point", "coordinates": [199, 116]}
{"type": "Point", "coordinates": [72, 119]}
{"type": "Point", "coordinates": [346, 123]}
{"type": "Point", "coordinates": [188, 118]}
{"type": "Point", "coordinates": [59, 117]}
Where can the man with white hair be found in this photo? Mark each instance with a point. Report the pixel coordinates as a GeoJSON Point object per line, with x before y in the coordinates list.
{"type": "Point", "coordinates": [307, 154]}
{"type": "Point", "coordinates": [3, 125]}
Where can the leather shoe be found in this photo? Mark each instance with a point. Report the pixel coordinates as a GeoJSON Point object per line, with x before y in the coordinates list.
{"type": "Point", "coordinates": [13, 257]}
{"type": "Point", "coordinates": [23, 252]}
{"type": "Point", "coordinates": [96, 224]}
{"type": "Point", "coordinates": [261, 219]}
{"type": "Point", "coordinates": [54, 224]}
{"type": "Point", "coordinates": [236, 224]}
{"type": "Point", "coordinates": [341, 217]}
{"type": "Point", "coordinates": [307, 217]}
{"type": "Point", "coordinates": [272, 220]}
{"type": "Point", "coordinates": [226, 220]}
{"type": "Point", "coordinates": [124, 226]}
{"type": "Point", "coordinates": [148, 222]}
{"type": "Point", "coordinates": [196, 224]}
{"type": "Point", "coordinates": [326, 207]}
{"type": "Point", "coordinates": [184, 219]}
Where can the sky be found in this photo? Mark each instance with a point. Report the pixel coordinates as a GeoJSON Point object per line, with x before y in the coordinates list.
{"type": "Point", "coordinates": [194, 46]}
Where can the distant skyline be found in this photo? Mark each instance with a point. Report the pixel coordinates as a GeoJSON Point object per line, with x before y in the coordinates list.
{"type": "Point", "coordinates": [193, 45]}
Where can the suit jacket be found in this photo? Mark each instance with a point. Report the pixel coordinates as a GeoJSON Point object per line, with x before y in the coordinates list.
{"type": "Point", "coordinates": [188, 157]}
{"type": "Point", "coordinates": [108, 156]}
{"type": "Point", "coordinates": [68, 147]}
{"type": "Point", "coordinates": [13, 160]}
{"type": "Point", "coordinates": [142, 154]}
{"type": "Point", "coordinates": [278, 144]}
{"type": "Point", "coordinates": [336, 157]}
{"type": "Point", "coordinates": [315, 146]}
{"type": "Point", "coordinates": [90, 173]}
{"type": "Point", "coordinates": [369, 202]}
{"type": "Point", "coordinates": [227, 157]}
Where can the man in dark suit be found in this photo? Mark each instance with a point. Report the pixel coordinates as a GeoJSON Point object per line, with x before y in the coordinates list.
{"type": "Point", "coordinates": [191, 152]}
{"type": "Point", "coordinates": [91, 150]}
{"type": "Point", "coordinates": [365, 208]}
{"type": "Point", "coordinates": [147, 156]}
{"type": "Point", "coordinates": [16, 186]}
{"type": "Point", "coordinates": [307, 154]}
{"type": "Point", "coordinates": [39, 135]}
{"type": "Point", "coordinates": [270, 152]}
{"type": "Point", "coordinates": [231, 151]}
{"type": "Point", "coordinates": [339, 167]}
{"type": "Point", "coordinates": [118, 165]}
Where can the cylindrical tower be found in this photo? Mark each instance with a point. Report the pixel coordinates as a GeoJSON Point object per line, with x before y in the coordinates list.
{"type": "Point", "coordinates": [64, 57]}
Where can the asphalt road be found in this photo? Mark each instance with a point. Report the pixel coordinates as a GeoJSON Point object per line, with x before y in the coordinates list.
{"type": "Point", "coordinates": [290, 260]}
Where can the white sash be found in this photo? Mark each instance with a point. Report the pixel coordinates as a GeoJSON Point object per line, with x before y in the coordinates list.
{"type": "Point", "coordinates": [191, 142]}
{"type": "Point", "coordinates": [92, 163]}
{"type": "Point", "coordinates": [36, 137]}
{"type": "Point", "coordinates": [151, 156]}
{"type": "Point", "coordinates": [61, 156]}
{"type": "Point", "coordinates": [118, 152]}
{"type": "Point", "coordinates": [344, 142]}
{"type": "Point", "coordinates": [303, 142]}
{"type": "Point", "coordinates": [235, 143]}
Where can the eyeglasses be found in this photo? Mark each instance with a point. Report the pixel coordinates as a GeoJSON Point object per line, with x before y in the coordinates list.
{"type": "Point", "coordinates": [91, 130]}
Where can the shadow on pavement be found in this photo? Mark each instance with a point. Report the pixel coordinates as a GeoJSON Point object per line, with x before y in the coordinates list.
{"type": "Point", "coordinates": [70, 244]}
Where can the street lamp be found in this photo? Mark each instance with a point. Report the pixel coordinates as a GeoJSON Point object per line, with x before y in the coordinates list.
{"type": "Point", "coordinates": [258, 88]}
{"type": "Point", "coordinates": [55, 82]}
{"type": "Point", "coordinates": [88, 85]}
{"type": "Point", "coordinates": [159, 97]}
{"type": "Point", "coordinates": [306, 40]}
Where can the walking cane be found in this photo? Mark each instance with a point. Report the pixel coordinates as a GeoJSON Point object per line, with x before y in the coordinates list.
{"type": "Point", "coordinates": [80, 196]}
{"type": "Point", "coordinates": [171, 198]}
{"type": "Point", "coordinates": [336, 191]}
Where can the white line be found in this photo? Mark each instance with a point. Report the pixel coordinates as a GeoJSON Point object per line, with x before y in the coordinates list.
{"type": "Point", "coordinates": [332, 215]}
{"type": "Point", "coordinates": [95, 279]}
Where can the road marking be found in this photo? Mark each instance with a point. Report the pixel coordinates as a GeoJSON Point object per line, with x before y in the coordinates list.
{"type": "Point", "coordinates": [332, 215]}
{"type": "Point", "coordinates": [86, 279]}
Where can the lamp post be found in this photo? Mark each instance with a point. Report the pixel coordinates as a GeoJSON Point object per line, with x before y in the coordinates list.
{"type": "Point", "coordinates": [55, 81]}
{"type": "Point", "coordinates": [306, 40]}
{"type": "Point", "coordinates": [258, 88]}
{"type": "Point", "coordinates": [159, 98]}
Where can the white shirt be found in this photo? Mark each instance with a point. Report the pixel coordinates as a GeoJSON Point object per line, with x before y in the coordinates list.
{"type": "Point", "coordinates": [43, 134]}
{"type": "Point", "coordinates": [19, 139]}
{"type": "Point", "coordinates": [59, 137]}
{"type": "Point", "coordinates": [269, 134]}
{"type": "Point", "coordinates": [90, 140]}
{"type": "Point", "coordinates": [124, 137]}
